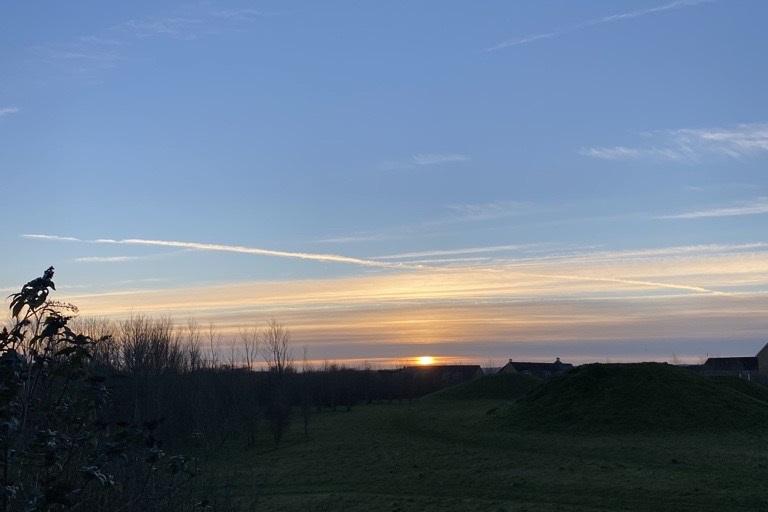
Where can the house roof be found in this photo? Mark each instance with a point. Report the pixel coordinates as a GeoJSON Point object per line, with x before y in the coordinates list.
{"type": "Point", "coordinates": [522, 366]}
{"type": "Point", "coordinates": [731, 363]}
{"type": "Point", "coordinates": [533, 368]}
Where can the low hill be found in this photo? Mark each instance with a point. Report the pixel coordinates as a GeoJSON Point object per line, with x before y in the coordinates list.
{"type": "Point", "coordinates": [625, 398]}
{"type": "Point", "coordinates": [756, 391]}
{"type": "Point", "coordinates": [498, 386]}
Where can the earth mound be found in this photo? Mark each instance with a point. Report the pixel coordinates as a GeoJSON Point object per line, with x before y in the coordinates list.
{"type": "Point", "coordinates": [643, 397]}
{"type": "Point", "coordinates": [499, 386]}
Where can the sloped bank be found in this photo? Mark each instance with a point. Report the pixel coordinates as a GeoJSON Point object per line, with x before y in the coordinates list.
{"type": "Point", "coordinates": [643, 397]}
{"type": "Point", "coordinates": [499, 386]}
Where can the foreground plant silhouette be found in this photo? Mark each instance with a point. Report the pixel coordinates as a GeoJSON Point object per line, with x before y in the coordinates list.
{"type": "Point", "coordinates": [59, 450]}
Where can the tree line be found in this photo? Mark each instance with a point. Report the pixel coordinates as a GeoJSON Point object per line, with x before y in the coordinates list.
{"type": "Point", "coordinates": [94, 413]}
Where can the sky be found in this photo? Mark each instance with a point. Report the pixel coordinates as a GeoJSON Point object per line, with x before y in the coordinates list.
{"type": "Point", "coordinates": [475, 181]}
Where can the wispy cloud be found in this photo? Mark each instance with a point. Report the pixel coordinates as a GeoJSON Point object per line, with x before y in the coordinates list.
{"type": "Point", "coordinates": [52, 237]}
{"type": "Point", "coordinates": [198, 246]}
{"type": "Point", "coordinates": [613, 153]}
{"type": "Point", "coordinates": [244, 14]}
{"type": "Point", "coordinates": [665, 293]}
{"type": "Point", "coordinates": [359, 237]}
{"type": "Point", "coordinates": [454, 252]}
{"type": "Point", "coordinates": [84, 58]}
{"type": "Point", "coordinates": [438, 158]}
{"type": "Point", "coordinates": [192, 22]}
{"type": "Point", "coordinates": [612, 18]}
{"type": "Point", "coordinates": [89, 56]}
{"type": "Point", "coordinates": [691, 144]}
{"type": "Point", "coordinates": [595, 257]}
{"type": "Point", "coordinates": [650, 284]}
{"type": "Point", "coordinates": [456, 214]}
{"type": "Point", "coordinates": [84, 51]}
{"type": "Point", "coordinates": [176, 27]}
{"type": "Point", "coordinates": [108, 259]}
{"type": "Point", "coordinates": [126, 259]}
{"type": "Point", "coordinates": [490, 210]}
{"type": "Point", "coordinates": [755, 207]}
{"type": "Point", "coordinates": [424, 159]}
{"type": "Point", "coordinates": [6, 111]}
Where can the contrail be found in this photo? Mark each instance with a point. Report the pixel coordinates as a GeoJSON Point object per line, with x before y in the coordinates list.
{"type": "Point", "coordinates": [651, 284]}
{"type": "Point", "coordinates": [198, 246]}
{"type": "Point", "coordinates": [678, 4]}
{"type": "Point", "coordinates": [337, 258]}
{"type": "Point", "coordinates": [53, 237]}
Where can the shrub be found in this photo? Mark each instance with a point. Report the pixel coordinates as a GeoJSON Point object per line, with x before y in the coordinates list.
{"type": "Point", "coordinates": [58, 447]}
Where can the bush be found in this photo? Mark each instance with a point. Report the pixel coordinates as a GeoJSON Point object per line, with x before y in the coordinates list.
{"type": "Point", "coordinates": [59, 448]}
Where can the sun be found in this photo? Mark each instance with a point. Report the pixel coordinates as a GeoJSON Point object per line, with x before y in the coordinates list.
{"type": "Point", "coordinates": [426, 360]}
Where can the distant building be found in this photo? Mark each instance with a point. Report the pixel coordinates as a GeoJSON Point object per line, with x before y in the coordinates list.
{"type": "Point", "coordinates": [731, 364]}
{"type": "Point", "coordinates": [762, 360]}
{"type": "Point", "coordinates": [542, 370]}
{"type": "Point", "coordinates": [745, 367]}
{"type": "Point", "coordinates": [447, 374]}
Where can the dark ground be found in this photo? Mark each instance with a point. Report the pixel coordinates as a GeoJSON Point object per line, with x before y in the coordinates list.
{"type": "Point", "coordinates": [444, 455]}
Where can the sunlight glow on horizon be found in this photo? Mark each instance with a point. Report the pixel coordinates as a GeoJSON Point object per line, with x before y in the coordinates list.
{"type": "Point", "coordinates": [426, 360]}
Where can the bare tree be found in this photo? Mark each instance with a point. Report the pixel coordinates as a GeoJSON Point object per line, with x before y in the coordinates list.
{"type": "Point", "coordinates": [306, 392]}
{"type": "Point", "coordinates": [213, 343]}
{"type": "Point", "coordinates": [275, 347]}
{"type": "Point", "coordinates": [277, 354]}
{"type": "Point", "coordinates": [249, 340]}
{"type": "Point", "coordinates": [234, 360]}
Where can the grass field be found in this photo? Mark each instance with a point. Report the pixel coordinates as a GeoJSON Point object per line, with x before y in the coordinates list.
{"type": "Point", "coordinates": [435, 455]}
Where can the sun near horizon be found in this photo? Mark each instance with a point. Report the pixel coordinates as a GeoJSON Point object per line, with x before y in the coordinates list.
{"type": "Point", "coordinates": [425, 360]}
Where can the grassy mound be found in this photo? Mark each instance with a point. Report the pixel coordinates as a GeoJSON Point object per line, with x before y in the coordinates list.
{"type": "Point", "coordinates": [499, 386]}
{"type": "Point", "coordinates": [756, 391]}
{"type": "Point", "coordinates": [626, 398]}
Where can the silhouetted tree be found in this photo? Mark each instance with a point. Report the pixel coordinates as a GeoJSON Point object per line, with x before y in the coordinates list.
{"type": "Point", "coordinates": [306, 392]}
{"type": "Point", "coordinates": [58, 447]}
{"type": "Point", "coordinates": [277, 353]}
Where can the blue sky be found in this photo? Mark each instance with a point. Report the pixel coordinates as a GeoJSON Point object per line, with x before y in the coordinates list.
{"type": "Point", "coordinates": [623, 143]}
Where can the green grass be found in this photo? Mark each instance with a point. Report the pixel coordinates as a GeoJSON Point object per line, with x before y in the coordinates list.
{"type": "Point", "coordinates": [644, 397]}
{"type": "Point", "coordinates": [438, 455]}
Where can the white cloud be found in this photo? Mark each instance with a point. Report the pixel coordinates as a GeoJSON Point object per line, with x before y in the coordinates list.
{"type": "Point", "coordinates": [108, 259]}
{"type": "Point", "coordinates": [628, 255]}
{"type": "Point", "coordinates": [458, 214]}
{"type": "Point", "coordinates": [679, 4]}
{"type": "Point", "coordinates": [89, 56]}
{"type": "Point", "coordinates": [177, 27]}
{"type": "Point", "coordinates": [465, 250]}
{"type": "Point", "coordinates": [489, 211]}
{"type": "Point", "coordinates": [424, 159]}
{"type": "Point", "coordinates": [438, 158]}
{"type": "Point", "coordinates": [360, 237]}
{"type": "Point", "coordinates": [691, 294]}
{"type": "Point", "coordinates": [614, 153]}
{"type": "Point", "coordinates": [86, 57]}
{"type": "Point", "coordinates": [245, 14]}
{"type": "Point", "coordinates": [6, 111]}
{"type": "Point", "coordinates": [756, 207]}
{"type": "Point", "coordinates": [692, 144]}
{"type": "Point", "coordinates": [192, 22]}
